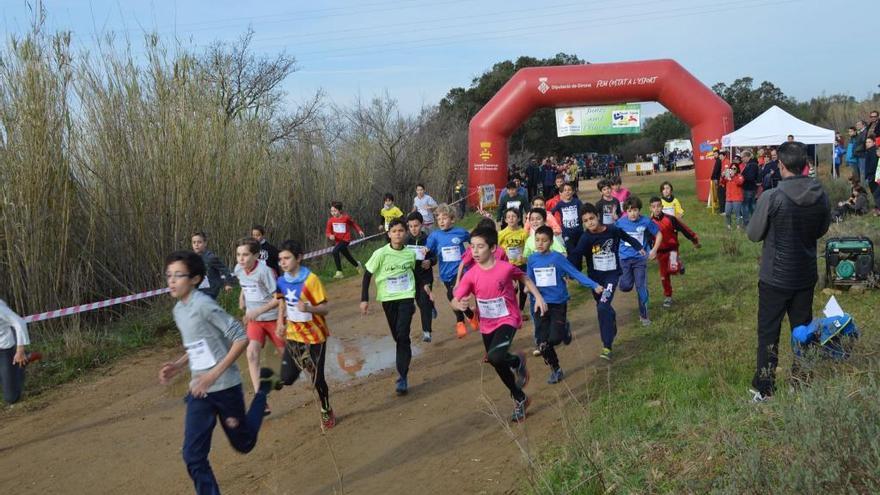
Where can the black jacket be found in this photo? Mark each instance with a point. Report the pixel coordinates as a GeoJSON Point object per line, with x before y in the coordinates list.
{"type": "Point", "coordinates": [423, 276]}
{"type": "Point", "coordinates": [217, 275]}
{"type": "Point", "coordinates": [533, 174]}
{"type": "Point", "coordinates": [750, 174]}
{"type": "Point", "coordinates": [870, 164]}
{"type": "Point", "coordinates": [790, 219]}
{"type": "Point", "coordinates": [269, 254]}
{"type": "Point", "coordinates": [716, 170]}
{"type": "Point", "coordinates": [770, 175]}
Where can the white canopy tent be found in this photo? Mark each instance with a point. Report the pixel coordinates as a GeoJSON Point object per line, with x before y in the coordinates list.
{"type": "Point", "coordinates": [772, 127]}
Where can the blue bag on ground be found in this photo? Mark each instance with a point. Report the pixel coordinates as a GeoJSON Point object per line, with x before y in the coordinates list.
{"type": "Point", "coordinates": [833, 336]}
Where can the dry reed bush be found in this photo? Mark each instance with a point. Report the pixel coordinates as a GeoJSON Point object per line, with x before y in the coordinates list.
{"type": "Point", "coordinates": [109, 162]}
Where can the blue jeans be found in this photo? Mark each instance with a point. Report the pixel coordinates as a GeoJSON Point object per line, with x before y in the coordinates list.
{"type": "Point", "coordinates": [604, 310]}
{"type": "Point", "coordinates": [748, 206]}
{"type": "Point", "coordinates": [201, 417]}
{"type": "Point", "coordinates": [11, 376]}
{"type": "Point", "coordinates": [732, 211]}
{"type": "Point", "coordinates": [635, 275]}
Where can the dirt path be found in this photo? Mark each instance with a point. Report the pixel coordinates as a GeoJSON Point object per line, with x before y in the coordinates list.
{"type": "Point", "coordinates": [121, 431]}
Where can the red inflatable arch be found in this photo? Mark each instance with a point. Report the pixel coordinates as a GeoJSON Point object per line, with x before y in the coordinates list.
{"type": "Point", "coordinates": [664, 81]}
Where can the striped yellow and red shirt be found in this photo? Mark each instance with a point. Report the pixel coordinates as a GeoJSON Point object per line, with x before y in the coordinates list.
{"type": "Point", "coordinates": [303, 327]}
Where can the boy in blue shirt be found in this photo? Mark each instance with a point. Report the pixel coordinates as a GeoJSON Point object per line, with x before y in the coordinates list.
{"type": "Point", "coordinates": [569, 209]}
{"type": "Point", "coordinates": [632, 262]}
{"type": "Point", "coordinates": [600, 244]}
{"type": "Point", "coordinates": [448, 244]}
{"type": "Point", "coordinates": [546, 268]}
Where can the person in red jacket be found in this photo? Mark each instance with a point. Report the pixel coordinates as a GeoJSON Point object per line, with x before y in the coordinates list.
{"type": "Point", "coordinates": [339, 227]}
{"type": "Point", "coordinates": [732, 180]}
{"type": "Point", "coordinates": [668, 257]}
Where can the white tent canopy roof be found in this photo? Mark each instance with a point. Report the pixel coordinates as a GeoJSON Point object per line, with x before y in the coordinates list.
{"type": "Point", "coordinates": [772, 127]}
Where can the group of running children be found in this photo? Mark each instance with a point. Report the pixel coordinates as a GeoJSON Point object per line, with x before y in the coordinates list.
{"type": "Point", "coordinates": [501, 269]}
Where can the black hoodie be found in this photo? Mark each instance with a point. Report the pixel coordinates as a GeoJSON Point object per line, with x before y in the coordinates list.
{"type": "Point", "coordinates": [790, 219]}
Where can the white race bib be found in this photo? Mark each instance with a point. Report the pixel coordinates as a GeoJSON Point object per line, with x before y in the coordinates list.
{"type": "Point", "coordinates": [252, 293]}
{"type": "Point", "coordinates": [339, 228]}
{"type": "Point", "coordinates": [200, 356]}
{"type": "Point", "coordinates": [605, 262]}
{"type": "Point", "coordinates": [399, 283]}
{"type": "Point", "coordinates": [419, 250]}
{"type": "Point", "coordinates": [669, 210]}
{"type": "Point", "coordinates": [545, 277]}
{"type": "Point", "coordinates": [569, 217]}
{"type": "Point", "coordinates": [514, 204]}
{"type": "Point", "coordinates": [514, 253]}
{"type": "Point", "coordinates": [492, 308]}
{"type": "Point", "coordinates": [205, 284]}
{"type": "Point", "coordinates": [295, 315]}
{"type": "Point", "coordinates": [639, 236]}
{"type": "Point", "coordinates": [450, 254]}
{"type": "Point", "coordinates": [607, 219]}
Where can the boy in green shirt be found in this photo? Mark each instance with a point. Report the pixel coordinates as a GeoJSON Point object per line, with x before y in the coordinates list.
{"type": "Point", "coordinates": [394, 268]}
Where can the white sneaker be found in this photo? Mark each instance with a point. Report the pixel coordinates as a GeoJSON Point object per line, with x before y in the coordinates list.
{"type": "Point", "coordinates": [426, 336]}
{"type": "Point", "coordinates": [338, 275]}
{"type": "Point", "coordinates": [645, 321]}
{"type": "Point", "coordinates": [360, 268]}
{"type": "Point", "coordinates": [758, 397]}
{"type": "Point", "coordinates": [667, 302]}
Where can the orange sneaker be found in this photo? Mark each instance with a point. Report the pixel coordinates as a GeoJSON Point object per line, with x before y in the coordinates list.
{"type": "Point", "coordinates": [460, 330]}
{"type": "Point", "coordinates": [475, 322]}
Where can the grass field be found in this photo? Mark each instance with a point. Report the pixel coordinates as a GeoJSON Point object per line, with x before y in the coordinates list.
{"type": "Point", "coordinates": [674, 415]}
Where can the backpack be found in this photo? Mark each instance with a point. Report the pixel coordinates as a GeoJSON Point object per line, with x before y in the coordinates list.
{"type": "Point", "coordinates": [833, 336]}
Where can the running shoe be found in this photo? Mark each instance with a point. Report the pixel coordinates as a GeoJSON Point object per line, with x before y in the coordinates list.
{"type": "Point", "coordinates": [667, 302]}
{"type": "Point", "coordinates": [758, 397]}
{"type": "Point", "coordinates": [460, 330]}
{"type": "Point", "coordinates": [267, 411]}
{"type": "Point", "coordinates": [522, 372]}
{"type": "Point", "coordinates": [645, 321]}
{"type": "Point", "coordinates": [536, 352]}
{"type": "Point", "coordinates": [402, 387]}
{"type": "Point", "coordinates": [606, 354]}
{"type": "Point", "coordinates": [519, 410]}
{"type": "Point", "coordinates": [426, 336]}
{"type": "Point", "coordinates": [475, 322]}
{"type": "Point", "coordinates": [328, 419]}
{"type": "Point", "coordinates": [33, 357]}
{"type": "Point", "coordinates": [338, 275]}
{"type": "Point", "coordinates": [360, 268]}
{"type": "Point", "coordinates": [566, 338]}
{"type": "Point", "coordinates": [556, 376]}
{"type": "Point", "coordinates": [433, 312]}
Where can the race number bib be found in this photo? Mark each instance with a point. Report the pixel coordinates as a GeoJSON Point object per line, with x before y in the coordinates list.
{"type": "Point", "coordinates": [450, 254]}
{"type": "Point", "coordinates": [252, 293]}
{"type": "Point", "coordinates": [514, 204]}
{"type": "Point", "coordinates": [418, 250]}
{"type": "Point", "coordinates": [673, 262]}
{"type": "Point", "coordinates": [605, 262]}
{"type": "Point", "coordinates": [569, 217]}
{"type": "Point", "coordinates": [339, 228]}
{"type": "Point", "coordinates": [492, 308]}
{"type": "Point", "coordinates": [514, 253]}
{"type": "Point", "coordinates": [297, 316]}
{"type": "Point", "coordinates": [545, 277]}
{"type": "Point", "coordinates": [639, 236]}
{"type": "Point", "coordinates": [669, 210]}
{"type": "Point", "coordinates": [205, 283]}
{"type": "Point", "coordinates": [200, 356]}
{"type": "Point", "coordinates": [607, 218]}
{"type": "Point", "coordinates": [399, 283]}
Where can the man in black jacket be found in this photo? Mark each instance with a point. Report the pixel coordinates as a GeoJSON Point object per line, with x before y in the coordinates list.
{"type": "Point", "coordinates": [533, 178]}
{"type": "Point", "coordinates": [770, 173]}
{"type": "Point", "coordinates": [716, 179]}
{"type": "Point", "coordinates": [789, 219]}
{"type": "Point", "coordinates": [750, 185]}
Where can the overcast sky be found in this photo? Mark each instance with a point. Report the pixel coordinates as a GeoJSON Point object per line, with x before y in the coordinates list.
{"type": "Point", "coordinates": [417, 50]}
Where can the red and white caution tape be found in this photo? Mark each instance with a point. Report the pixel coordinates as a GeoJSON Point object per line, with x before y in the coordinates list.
{"type": "Point", "coordinates": [58, 313]}
{"type": "Point", "coordinates": [82, 308]}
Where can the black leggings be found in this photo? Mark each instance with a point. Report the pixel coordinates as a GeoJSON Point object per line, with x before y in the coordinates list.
{"type": "Point", "coordinates": [342, 247]}
{"type": "Point", "coordinates": [299, 356]}
{"type": "Point", "coordinates": [399, 315]}
{"type": "Point", "coordinates": [523, 294]}
{"type": "Point", "coordinates": [498, 352]}
{"type": "Point", "coordinates": [459, 315]}
{"type": "Point", "coordinates": [426, 306]}
{"type": "Point", "coordinates": [550, 331]}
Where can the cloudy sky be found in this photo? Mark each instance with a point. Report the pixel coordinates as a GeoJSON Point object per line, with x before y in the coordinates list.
{"type": "Point", "coordinates": [417, 50]}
